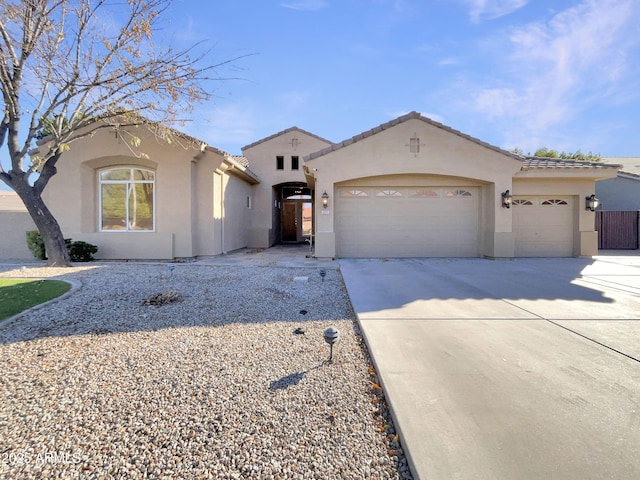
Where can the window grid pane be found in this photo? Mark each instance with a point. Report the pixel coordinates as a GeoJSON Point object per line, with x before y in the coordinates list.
{"type": "Point", "coordinates": [127, 199]}
{"type": "Point", "coordinates": [114, 213]}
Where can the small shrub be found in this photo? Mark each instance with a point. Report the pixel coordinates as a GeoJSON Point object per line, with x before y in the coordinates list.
{"type": "Point", "coordinates": [79, 251]}
{"type": "Point", "coordinates": [36, 244]}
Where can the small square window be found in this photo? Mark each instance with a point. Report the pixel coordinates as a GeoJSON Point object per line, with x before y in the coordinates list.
{"type": "Point", "coordinates": [280, 162]}
{"type": "Point", "coordinates": [295, 163]}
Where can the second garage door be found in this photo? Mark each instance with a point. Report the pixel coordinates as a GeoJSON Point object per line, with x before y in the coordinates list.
{"type": "Point", "coordinates": [543, 226]}
{"type": "Point", "coordinates": [407, 222]}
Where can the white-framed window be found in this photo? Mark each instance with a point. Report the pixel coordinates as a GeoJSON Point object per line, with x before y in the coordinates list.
{"type": "Point", "coordinates": [554, 201]}
{"type": "Point", "coordinates": [127, 199]}
{"type": "Point", "coordinates": [249, 202]}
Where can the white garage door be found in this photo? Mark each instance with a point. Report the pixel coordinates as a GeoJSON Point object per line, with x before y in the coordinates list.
{"type": "Point", "coordinates": [543, 226]}
{"type": "Point", "coordinates": [407, 222]}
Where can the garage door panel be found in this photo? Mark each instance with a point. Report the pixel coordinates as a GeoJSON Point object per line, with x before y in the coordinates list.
{"type": "Point", "coordinates": [543, 226]}
{"type": "Point", "coordinates": [424, 222]}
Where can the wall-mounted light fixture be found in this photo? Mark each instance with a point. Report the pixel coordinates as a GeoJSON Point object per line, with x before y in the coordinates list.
{"type": "Point", "coordinates": [506, 199]}
{"type": "Point", "coordinates": [591, 203]}
{"type": "Point", "coordinates": [325, 200]}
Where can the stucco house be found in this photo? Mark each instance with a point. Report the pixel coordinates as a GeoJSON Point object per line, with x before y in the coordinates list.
{"type": "Point", "coordinates": [411, 187]}
{"type": "Point", "coordinates": [161, 200]}
{"type": "Point", "coordinates": [622, 192]}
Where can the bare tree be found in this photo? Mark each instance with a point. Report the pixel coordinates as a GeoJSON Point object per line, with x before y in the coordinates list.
{"type": "Point", "coordinates": [71, 67]}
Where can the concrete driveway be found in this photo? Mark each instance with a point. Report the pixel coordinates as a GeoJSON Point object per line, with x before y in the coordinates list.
{"type": "Point", "coordinates": [523, 369]}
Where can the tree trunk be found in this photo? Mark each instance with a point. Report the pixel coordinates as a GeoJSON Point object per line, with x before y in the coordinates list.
{"type": "Point", "coordinates": [56, 249]}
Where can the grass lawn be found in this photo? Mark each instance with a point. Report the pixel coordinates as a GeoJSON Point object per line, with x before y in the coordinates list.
{"type": "Point", "coordinates": [17, 295]}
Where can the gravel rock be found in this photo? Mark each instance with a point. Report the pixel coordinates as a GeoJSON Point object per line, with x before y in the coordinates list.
{"type": "Point", "coordinates": [214, 384]}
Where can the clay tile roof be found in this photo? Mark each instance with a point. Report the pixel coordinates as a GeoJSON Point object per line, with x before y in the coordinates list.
{"type": "Point", "coordinates": [531, 163]}
{"type": "Point", "coordinates": [629, 165]}
{"type": "Point", "coordinates": [244, 161]}
{"type": "Point", "coordinates": [283, 132]}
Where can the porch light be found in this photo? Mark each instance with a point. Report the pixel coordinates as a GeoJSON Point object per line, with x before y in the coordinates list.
{"type": "Point", "coordinates": [325, 200]}
{"type": "Point", "coordinates": [506, 199]}
{"type": "Point", "coordinates": [591, 202]}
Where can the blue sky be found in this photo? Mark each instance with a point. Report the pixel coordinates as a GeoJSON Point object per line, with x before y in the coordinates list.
{"type": "Point", "coordinates": [564, 74]}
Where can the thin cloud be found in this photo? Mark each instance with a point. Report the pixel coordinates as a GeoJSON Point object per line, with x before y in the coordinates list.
{"type": "Point", "coordinates": [306, 5]}
{"type": "Point", "coordinates": [226, 127]}
{"type": "Point", "coordinates": [445, 62]}
{"type": "Point", "coordinates": [492, 9]}
{"type": "Point", "coordinates": [292, 101]}
{"type": "Point", "coordinates": [554, 70]}
{"type": "Point", "coordinates": [404, 6]}
{"type": "Point", "coordinates": [434, 116]}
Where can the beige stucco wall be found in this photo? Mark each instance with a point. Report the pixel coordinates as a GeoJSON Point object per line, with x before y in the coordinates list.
{"type": "Point", "coordinates": [219, 207]}
{"type": "Point", "coordinates": [186, 220]}
{"type": "Point", "coordinates": [236, 214]}
{"type": "Point", "coordinates": [13, 229]}
{"type": "Point", "coordinates": [262, 161]}
{"type": "Point", "coordinates": [444, 157]}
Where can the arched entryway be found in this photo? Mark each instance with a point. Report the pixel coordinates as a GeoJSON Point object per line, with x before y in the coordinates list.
{"type": "Point", "coordinates": [296, 214]}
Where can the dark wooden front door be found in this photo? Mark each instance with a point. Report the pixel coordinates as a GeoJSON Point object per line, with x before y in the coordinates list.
{"type": "Point", "coordinates": [289, 222]}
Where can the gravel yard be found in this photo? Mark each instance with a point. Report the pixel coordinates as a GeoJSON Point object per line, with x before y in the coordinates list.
{"type": "Point", "coordinates": [214, 385]}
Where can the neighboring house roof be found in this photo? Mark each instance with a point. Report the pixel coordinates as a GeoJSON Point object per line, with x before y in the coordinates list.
{"type": "Point", "coordinates": [629, 165]}
{"type": "Point", "coordinates": [402, 119]}
{"type": "Point", "coordinates": [531, 163]}
{"type": "Point", "coordinates": [632, 176]}
{"type": "Point", "coordinates": [10, 202]}
{"type": "Point", "coordinates": [283, 132]}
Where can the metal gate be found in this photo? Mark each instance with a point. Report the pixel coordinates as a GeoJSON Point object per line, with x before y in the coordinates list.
{"type": "Point", "coordinates": [617, 230]}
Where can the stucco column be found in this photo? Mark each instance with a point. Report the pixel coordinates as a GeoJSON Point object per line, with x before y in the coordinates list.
{"type": "Point", "coordinates": [499, 240]}
{"type": "Point", "coordinates": [325, 237]}
{"type": "Point", "coordinates": [586, 243]}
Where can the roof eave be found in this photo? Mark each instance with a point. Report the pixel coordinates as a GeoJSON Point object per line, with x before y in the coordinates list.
{"type": "Point", "coordinates": [234, 168]}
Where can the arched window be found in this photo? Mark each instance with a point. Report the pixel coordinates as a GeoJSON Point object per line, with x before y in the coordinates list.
{"type": "Point", "coordinates": [127, 199]}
